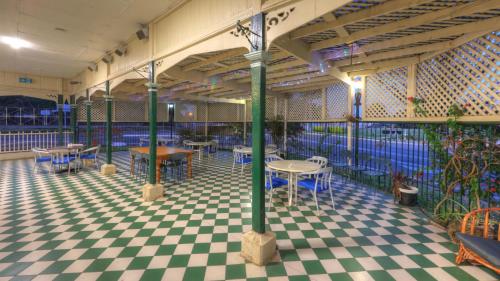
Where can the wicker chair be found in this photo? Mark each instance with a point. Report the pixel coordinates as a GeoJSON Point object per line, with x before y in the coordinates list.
{"type": "Point", "coordinates": [484, 250]}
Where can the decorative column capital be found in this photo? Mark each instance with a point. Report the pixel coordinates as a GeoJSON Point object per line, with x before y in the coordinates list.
{"type": "Point", "coordinates": [108, 97]}
{"type": "Point", "coordinates": [152, 86]}
{"type": "Point", "coordinates": [258, 58]}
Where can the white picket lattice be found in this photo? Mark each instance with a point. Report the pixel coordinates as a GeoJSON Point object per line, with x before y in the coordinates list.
{"type": "Point", "coordinates": [305, 106]}
{"type": "Point", "coordinates": [386, 94]}
{"type": "Point", "coordinates": [336, 100]}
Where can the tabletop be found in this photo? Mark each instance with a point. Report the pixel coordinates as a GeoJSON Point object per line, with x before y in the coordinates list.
{"type": "Point", "coordinates": [248, 150]}
{"type": "Point", "coordinates": [294, 166]}
{"type": "Point", "coordinates": [199, 143]}
{"type": "Point", "coordinates": [161, 150]}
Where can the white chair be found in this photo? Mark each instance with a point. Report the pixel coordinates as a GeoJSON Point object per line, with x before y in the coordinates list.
{"type": "Point", "coordinates": [212, 148]}
{"type": "Point", "coordinates": [41, 156]}
{"type": "Point", "coordinates": [322, 161]}
{"type": "Point", "coordinates": [191, 146]}
{"type": "Point", "coordinates": [240, 158]}
{"type": "Point", "coordinates": [273, 181]}
{"type": "Point", "coordinates": [143, 142]}
{"type": "Point", "coordinates": [91, 154]}
{"type": "Point", "coordinates": [320, 181]}
{"type": "Point", "coordinates": [271, 158]}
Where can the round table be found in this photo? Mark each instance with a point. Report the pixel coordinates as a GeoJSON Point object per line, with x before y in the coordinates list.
{"type": "Point", "coordinates": [293, 168]}
{"type": "Point", "coordinates": [200, 144]}
{"type": "Point", "coordinates": [248, 150]}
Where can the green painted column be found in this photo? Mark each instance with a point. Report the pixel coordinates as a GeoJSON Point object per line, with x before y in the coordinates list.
{"type": "Point", "coordinates": [109, 124]}
{"type": "Point", "coordinates": [153, 125]}
{"type": "Point", "coordinates": [74, 130]}
{"type": "Point", "coordinates": [60, 120]}
{"type": "Point", "coordinates": [258, 58]}
{"type": "Point", "coordinates": [357, 104]}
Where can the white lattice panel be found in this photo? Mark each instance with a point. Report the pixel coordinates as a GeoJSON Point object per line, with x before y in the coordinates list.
{"type": "Point", "coordinates": [82, 112]}
{"type": "Point", "coordinates": [305, 106]}
{"type": "Point", "coordinates": [249, 110]}
{"type": "Point", "coordinates": [281, 107]}
{"type": "Point", "coordinates": [129, 111]}
{"type": "Point", "coordinates": [202, 111]}
{"type": "Point", "coordinates": [222, 112]}
{"type": "Point", "coordinates": [185, 112]}
{"type": "Point", "coordinates": [162, 112]}
{"type": "Point", "coordinates": [467, 75]}
{"type": "Point", "coordinates": [386, 94]}
{"type": "Point", "coordinates": [336, 100]}
{"type": "Point", "coordinates": [270, 107]}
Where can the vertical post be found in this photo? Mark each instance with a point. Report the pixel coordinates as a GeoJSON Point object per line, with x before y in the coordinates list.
{"type": "Point", "coordinates": [357, 104]}
{"type": "Point", "coordinates": [258, 246]}
{"type": "Point", "coordinates": [349, 124]}
{"type": "Point", "coordinates": [60, 119]}
{"type": "Point", "coordinates": [109, 168]}
{"type": "Point", "coordinates": [73, 119]}
{"type": "Point", "coordinates": [153, 190]}
{"type": "Point", "coordinates": [88, 105]}
{"type": "Point", "coordinates": [285, 127]}
{"type": "Point", "coordinates": [245, 124]}
{"type": "Point", "coordinates": [153, 126]}
{"type": "Point", "coordinates": [412, 89]}
{"type": "Point", "coordinates": [206, 122]}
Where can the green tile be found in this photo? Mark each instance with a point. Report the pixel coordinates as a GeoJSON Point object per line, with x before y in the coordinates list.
{"type": "Point", "coordinates": [459, 274]}
{"type": "Point", "coordinates": [194, 273]}
{"type": "Point", "coordinates": [235, 271]}
{"type": "Point", "coordinates": [217, 259]}
{"type": "Point", "coordinates": [357, 252]}
{"type": "Point", "coordinates": [422, 261]}
{"type": "Point", "coordinates": [323, 253]}
{"type": "Point", "coordinates": [139, 263]}
{"type": "Point", "coordinates": [386, 263]}
{"type": "Point", "coordinates": [14, 268]}
{"type": "Point", "coordinates": [129, 252]}
{"type": "Point", "coordinates": [351, 265]}
{"type": "Point", "coordinates": [342, 276]}
{"type": "Point", "coordinates": [57, 267]}
{"type": "Point", "coordinates": [381, 275]}
{"type": "Point", "coordinates": [420, 274]}
{"type": "Point", "coordinates": [165, 250]}
{"type": "Point", "coordinates": [179, 261]}
{"type": "Point", "coordinates": [275, 269]}
{"type": "Point", "coordinates": [99, 265]}
{"type": "Point", "coordinates": [110, 276]}
{"type": "Point", "coordinates": [313, 267]}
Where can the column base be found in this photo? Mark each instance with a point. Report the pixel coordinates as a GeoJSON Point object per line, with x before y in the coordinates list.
{"type": "Point", "coordinates": [258, 248]}
{"type": "Point", "coordinates": [108, 169]}
{"type": "Point", "coordinates": [151, 192]}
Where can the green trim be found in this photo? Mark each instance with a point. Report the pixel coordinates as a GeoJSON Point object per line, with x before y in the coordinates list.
{"type": "Point", "coordinates": [109, 125]}
{"type": "Point", "coordinates": [60, 120]}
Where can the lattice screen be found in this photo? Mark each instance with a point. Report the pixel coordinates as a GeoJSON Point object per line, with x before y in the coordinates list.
{"type": "Point", "coordinates": [201, 109]}
{"type": "Point", "coordinates": [270, 107]}
{"type": "Point", "coordinates": [129, 111]}
{"type": "Point", "coordinates": [222, 112]}
{"type": "Point", "coordinates": [305, 106]}
{"type": "Point", "coordinates": [336, 100]}
{"type": "Point", "coordinates": [386, 94]}
{"type": "Point", "coordinates": [162, 114]}
{"type": "Point", "coordinates": [467, 75]}
{"type": "Point", "coordinates": [281, 106]}
{"type": "Point", "coordinates": [185, 112]}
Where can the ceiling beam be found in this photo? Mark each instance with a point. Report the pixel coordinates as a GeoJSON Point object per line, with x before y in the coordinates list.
{"type": "Point", "coordinates": [394, 63]}
{"type": "Point", "coordinates": [363, 14]}
{"type": "Point", "coordinates": [481, 25]}
{"type": "Point", "coordinates": [214, 59]}
{"type": "Point", "coordinates": [295, 77]}
{"type": "Point", "coordinates": [243, 65]}
{"type": "Point", "coordinates": [301, 51]}
{"type": "Point", "coordinates": [304, 87]}
{"type": "Point", "coordinates": [448, 13]}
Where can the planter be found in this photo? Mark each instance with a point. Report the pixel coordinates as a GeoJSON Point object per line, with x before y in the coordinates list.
{"type": "Point", "coordinates": [408, 196]}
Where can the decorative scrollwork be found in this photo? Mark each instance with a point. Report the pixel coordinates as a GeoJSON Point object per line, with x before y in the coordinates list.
{"type": "Point", "coordinates": [279, 18]}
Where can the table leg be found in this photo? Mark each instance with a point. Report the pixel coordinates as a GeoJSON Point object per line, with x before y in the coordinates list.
{"type": "Point", "coordinates": [190, 165]}
{"type": "Point", "coordinates": [132, 163]}
{"type": "Point", "coordinates": [158, 171]}
{"type": "Point", "coordinates": [200, 152]}
{"type": "Point", "coordinates": [290, 189]}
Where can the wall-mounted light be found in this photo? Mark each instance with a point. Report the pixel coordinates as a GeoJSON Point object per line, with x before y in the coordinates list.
{"type": "Point", "coordinates": [358, 83]}
{"type": "Point", "coordinates": [108, 58]}
{"type": "Point", "coordinates": [121, 50]}
{"type": "Point", "coordinates": [92, 67]}
{"type": "Point", "coordinates": [143, 33]}
{"type": "Point", "coordinates": [15, 42]}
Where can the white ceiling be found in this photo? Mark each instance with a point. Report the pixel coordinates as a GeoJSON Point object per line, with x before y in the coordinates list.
{"type": "Point", "coordinates": [92, 27]}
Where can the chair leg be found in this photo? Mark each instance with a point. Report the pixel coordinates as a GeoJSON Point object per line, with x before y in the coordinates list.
{"type": "Point", "coordinates": [331, 195]}
{"type": "Point", "coordinates": [316, 201]}
{"type": "Point", "coordinates": [232, 169]}
{"type": "Point", "coordinates": [270, 199]}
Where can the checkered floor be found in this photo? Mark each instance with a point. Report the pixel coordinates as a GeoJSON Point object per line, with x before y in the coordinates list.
{"type": "Point", "coordinates": [91, 227]}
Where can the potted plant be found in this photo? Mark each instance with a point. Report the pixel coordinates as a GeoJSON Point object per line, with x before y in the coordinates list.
{"type": "Point", "coordinates": [404, 194]}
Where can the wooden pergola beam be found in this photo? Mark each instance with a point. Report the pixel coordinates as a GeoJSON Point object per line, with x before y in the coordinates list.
{"type": "Point", "coordinates": [452, 12]}
{"type": "Point", "coordinates": [363, 14]}
{"type": "Point", "coordinates": [476, 26]}
{"type": "Point", "coordinates": [214, 59]}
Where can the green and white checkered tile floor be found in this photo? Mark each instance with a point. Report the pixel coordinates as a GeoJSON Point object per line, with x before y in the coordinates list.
{"type": "Point", "coordinates": [91, 227]}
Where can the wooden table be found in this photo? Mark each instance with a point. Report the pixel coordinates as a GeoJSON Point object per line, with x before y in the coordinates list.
{"type": "Point", "coordinates": [162, 154]}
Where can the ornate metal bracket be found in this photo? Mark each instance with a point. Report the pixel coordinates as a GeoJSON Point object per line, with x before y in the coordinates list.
{"type": "Point", "coordinates": [242, 30]}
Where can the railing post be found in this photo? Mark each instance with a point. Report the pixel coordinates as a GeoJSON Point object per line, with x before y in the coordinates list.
{"type": "Point", "coordinates": [60, 119]}
{"type": "Point", "coordinates": [109, 168]}
{"type": "Point", "coordinates": [88, 105]}
{"type": "Point", "coordinates": [245, 124]}
{"type": "Point", "coordinates": [258, 246]}
{"type": "Point", "coordinates": [153, 190]}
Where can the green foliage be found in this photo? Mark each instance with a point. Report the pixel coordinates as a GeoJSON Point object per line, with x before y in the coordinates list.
{"type": "Point", "coordinates": [318, 129]}
{"type": "Point", "coordinates": [337, 130]}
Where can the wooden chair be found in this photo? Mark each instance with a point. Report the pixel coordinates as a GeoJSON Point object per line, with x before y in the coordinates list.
{"type": "Point", "coordinates": [484, 250]}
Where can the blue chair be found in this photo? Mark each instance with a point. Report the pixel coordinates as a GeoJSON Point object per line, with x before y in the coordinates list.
{"type": "Point", "coordinates": [273, 181]}
{"type": "Point", "coordinates": [62, 158]}
{"type": "Point", "coordinates": [41, 156]}
{"type": "Point", "coordinates": [319, 181]}
{"type": "Point", "coordinates": [240, 158]}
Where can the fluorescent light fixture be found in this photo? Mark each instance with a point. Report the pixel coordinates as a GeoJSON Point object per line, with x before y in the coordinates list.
{"type": "Point", "coordinates": [15, 43]}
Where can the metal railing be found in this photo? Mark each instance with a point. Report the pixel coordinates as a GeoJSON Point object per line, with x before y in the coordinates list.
{"type": "Point", "coordinates": [22, 141]}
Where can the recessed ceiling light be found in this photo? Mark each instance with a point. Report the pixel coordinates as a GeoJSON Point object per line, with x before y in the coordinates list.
{"type": "Point", "coordinates": [15, 43]}
{"type": "Point", "coordinates": [60, 29]}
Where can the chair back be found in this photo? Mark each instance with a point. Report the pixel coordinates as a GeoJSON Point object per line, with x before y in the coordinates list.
{"type": "Point", "coordinates": [322, 161]}
{"type": "Point", "coordinates": [272, 157]}
{"type": "Point", "coordinates": [239, 155]}
{"type": "Point", "coordinates": [143, 141]}
{"type": "Point", "coordinates": [39, 152]}
{"type": "Point", "coordinates": [60, 156]}
{"type": "Point", "coordinates": [323, 177]}
{"type": "Point", "coordinates": [239, 146]}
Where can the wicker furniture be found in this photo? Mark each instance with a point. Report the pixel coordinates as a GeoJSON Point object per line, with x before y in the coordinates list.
{"type": "Point", "coordinates": [484, 250]}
